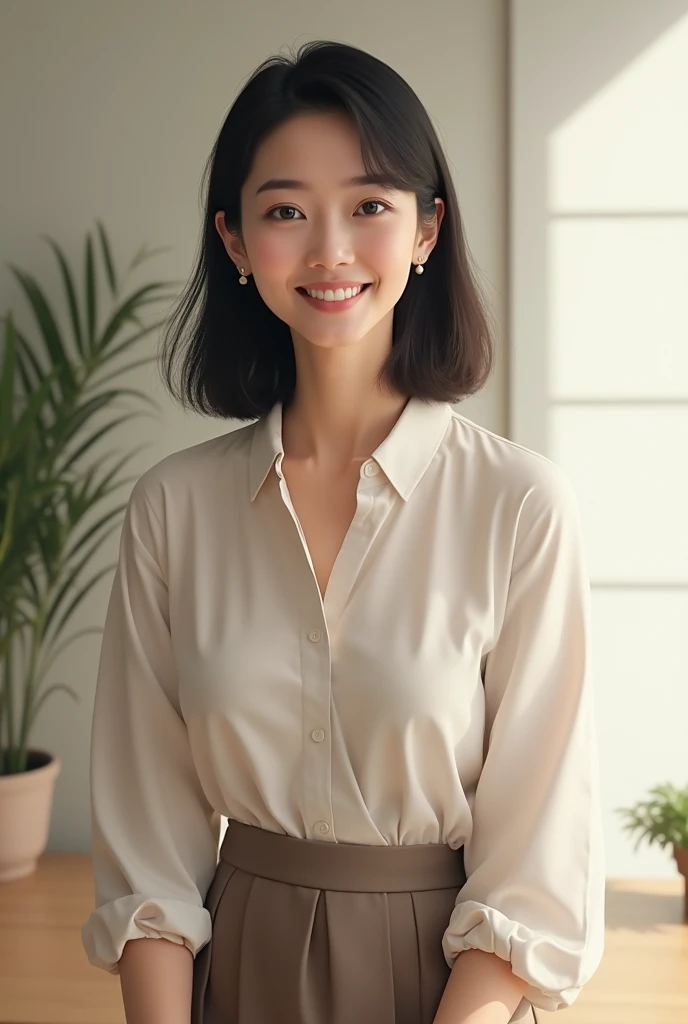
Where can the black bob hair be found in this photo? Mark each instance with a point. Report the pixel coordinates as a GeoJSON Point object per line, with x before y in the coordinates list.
{"type": "Point", "coordinates": [237, 355]}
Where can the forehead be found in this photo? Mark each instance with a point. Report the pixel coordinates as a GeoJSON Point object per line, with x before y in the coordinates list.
{"type": "Point", "coordinates": [309, 146]}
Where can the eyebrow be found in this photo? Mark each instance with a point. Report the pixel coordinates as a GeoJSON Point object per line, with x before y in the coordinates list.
{"type": "Point", "coordinates": [294, 183]}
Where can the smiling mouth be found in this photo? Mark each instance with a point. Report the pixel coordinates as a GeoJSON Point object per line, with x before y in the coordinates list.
{"type": "Point", "coordinates": [334, 290]}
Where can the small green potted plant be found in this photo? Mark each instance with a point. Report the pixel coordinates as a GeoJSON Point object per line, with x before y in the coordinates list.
{"type": "Point", "coordinates": [663, 819]}
{"type": "Point", "coordinates": [52, 516]}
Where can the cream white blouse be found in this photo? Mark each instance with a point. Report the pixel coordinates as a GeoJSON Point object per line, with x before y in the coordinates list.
{"type": "Point", "coordinates": [441, 692]}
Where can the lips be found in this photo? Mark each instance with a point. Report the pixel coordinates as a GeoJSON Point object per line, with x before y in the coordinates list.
{"type": "Point", "coordinates": [332, 306]}
{"type": "Point", "coordinates": [333, 286]}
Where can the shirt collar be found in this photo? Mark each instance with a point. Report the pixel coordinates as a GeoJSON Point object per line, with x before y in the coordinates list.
{"type": "Point", "coordinates": [403, 456]}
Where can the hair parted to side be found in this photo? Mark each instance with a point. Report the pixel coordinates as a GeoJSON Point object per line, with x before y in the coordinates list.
{"type": "Point", "coordinates": [224, 352]}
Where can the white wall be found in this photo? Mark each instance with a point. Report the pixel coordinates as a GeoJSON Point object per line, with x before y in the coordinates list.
{"type": "Point", "coordinates": [109, 110]}
{"type": "Point", "coordinates": [598, 332]}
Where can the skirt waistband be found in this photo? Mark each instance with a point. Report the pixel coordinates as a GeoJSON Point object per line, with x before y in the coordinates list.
{"type": "Point", "coordinates": [347, 867]}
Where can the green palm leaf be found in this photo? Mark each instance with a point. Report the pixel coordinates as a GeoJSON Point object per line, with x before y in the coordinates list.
{"type": "Point", "coordinates": [144, 254]}
{"type": "Point", "coordinates": [32, 379]}
{"type": "Point", "coordinates": [127, 368]}
{"type": "Point", "coordinates": [70, 292]}
{"type": "Point", "coordinates": [97, 436]}
{"type": "Point", "coordinates": [91, 295]}
{"type": "Point", "coordinates": [46, 494]}
{"type": "Point", "coordinates": [95, 528]}
{"type": "Point", "coordinates": [7, 380]}
{"type": "Point", "coordinates": [124, 312]}
{"type": "Point", "coordinates": [50, 332]}
{"type": "Point", "coordinates": [81, 594]}
{"type": "Point", "coordinates": [31, 717]}
{"type": "Point", "coordinates": [107, 259]}
{"type": "Point", "coordinates": [51, 653]}
{"type": "Point", "coordinates": [106, 356]}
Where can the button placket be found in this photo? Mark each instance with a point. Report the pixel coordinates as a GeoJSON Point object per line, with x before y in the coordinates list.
{"type": "Point", "coordinates": [316, 666]}
{"type": "Point", "coordinates": [317, 655]}
{"type": "Point", "coordinates": [316, 685]}
{"type": "Point", "coordinates": [374, 501]}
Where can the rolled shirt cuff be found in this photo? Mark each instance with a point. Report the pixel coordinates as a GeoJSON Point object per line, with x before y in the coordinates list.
{"type": "Point", "coordinates": [113, 924]}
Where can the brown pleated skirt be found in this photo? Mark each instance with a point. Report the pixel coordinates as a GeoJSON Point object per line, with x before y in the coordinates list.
{"type": "Point", "coordinates": [312, 932]}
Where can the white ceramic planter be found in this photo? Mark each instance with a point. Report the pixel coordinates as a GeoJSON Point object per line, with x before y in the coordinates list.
{"type": "Point", "coordinates": [26, 802]}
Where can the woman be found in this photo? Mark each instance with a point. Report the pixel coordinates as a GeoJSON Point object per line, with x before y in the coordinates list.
{"type": "Point", "coordinates": [356, 626]}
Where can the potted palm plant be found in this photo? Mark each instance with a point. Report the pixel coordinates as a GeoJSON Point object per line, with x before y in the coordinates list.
{"type": "Point", "coordinates": [663, 819]}
{"type": "Point", "coordinates": [54, 508]}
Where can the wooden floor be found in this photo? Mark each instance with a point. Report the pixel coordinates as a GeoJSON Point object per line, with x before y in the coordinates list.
{"type": "Point", "coordinates": [46, 979]}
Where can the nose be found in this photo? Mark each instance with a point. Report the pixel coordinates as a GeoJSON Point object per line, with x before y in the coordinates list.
{"type": "Point", "coordinates": [331, 244]}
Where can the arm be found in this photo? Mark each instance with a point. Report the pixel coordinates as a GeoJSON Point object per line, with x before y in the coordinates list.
{"type": "Point", "coordinates": [482, 989]}
{"type": "Point", "coordinates": [155, 836]}
{"type": "Point", "coordinates": [534, 895]}
{"type": "Point", "coordinates": [156, 980]}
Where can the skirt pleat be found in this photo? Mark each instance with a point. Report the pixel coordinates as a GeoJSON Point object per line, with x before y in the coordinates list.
{"type": "Point", "coordinates": [308, 932]}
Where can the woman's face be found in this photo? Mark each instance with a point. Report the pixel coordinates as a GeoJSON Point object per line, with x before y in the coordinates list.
{"type": "Point", "coordinates": [325, 230]}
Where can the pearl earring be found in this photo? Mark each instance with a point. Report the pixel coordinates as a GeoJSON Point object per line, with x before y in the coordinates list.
{"type": "Point", "coordinates": [419, 269]}
{"type": "Point", "coordinates": [242, 279]}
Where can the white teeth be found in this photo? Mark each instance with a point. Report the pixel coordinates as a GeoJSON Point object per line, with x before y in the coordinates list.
{"type": "Point", "coordinates": [333, 296]}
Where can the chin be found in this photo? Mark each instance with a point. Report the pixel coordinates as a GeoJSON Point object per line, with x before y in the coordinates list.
{"type": "Point", "coordinates": [333, 339]}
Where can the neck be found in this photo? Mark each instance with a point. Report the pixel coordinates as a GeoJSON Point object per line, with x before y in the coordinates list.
{"type": "Point", "coordinates": [338, 415]}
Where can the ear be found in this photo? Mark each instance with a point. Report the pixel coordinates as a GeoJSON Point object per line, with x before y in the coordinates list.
{"type": "Point", "coordinates": [231, 242]}
{"type": "Point", "coordinates": [427, 236]}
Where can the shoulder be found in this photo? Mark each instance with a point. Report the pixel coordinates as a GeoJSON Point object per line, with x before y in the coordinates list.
{"type": "Point", "coordinates": [510, 472]}
{"type": "Point", "coordinates": [195, 470]}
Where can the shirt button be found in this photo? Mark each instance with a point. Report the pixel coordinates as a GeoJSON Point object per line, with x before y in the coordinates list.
{"type": "Point", "coordinates": [322, 827]}
{"type": "Point", "coordinates": [318, 735]}
{"type": "Point", "coordinates": [371, 469]}
{"type": "Point", "coordinates": [314, 636]}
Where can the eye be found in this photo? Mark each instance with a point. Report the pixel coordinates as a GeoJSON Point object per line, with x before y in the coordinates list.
{"type": "Point", "coordinates": [374, 202]}
{"type": "Point", "coordinates": [270, 214]}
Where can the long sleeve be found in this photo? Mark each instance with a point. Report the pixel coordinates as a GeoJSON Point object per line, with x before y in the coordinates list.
{"type": "Point", "coordinates": [534, 893]}
{"type": "Point", "coordinates": [154, 835]}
